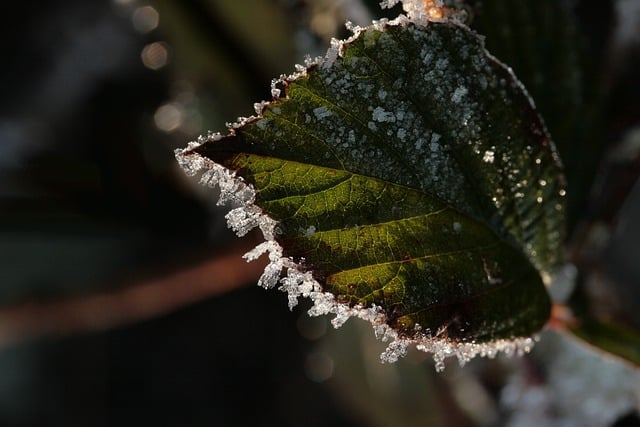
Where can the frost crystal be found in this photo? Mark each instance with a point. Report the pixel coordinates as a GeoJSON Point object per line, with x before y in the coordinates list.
{"type": "Point", "coordinates": [322, 112]}
{"type": "Point", "coordinates": [380, 115]}
{"type": "Point", "coordinates": [488, 156]}
{"type": "Point", "coordinates": [458, 94]}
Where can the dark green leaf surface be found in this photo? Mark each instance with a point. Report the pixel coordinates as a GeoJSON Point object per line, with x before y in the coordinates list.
{"type": "Point", "coordinates": [411, 173]}
{"type": "Point", "coordinates": [543, 43]}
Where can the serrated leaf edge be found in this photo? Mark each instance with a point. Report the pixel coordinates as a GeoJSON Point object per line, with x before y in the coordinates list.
{"type": "Point", "coordinates": [245, 215]}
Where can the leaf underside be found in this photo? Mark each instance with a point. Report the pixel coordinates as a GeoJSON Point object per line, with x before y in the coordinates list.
{"type": "Point", "coordinates": [411, 173]}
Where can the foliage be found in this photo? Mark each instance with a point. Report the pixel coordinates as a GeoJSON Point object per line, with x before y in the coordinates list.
{"type": "Point", "coordinates": [409, 173]}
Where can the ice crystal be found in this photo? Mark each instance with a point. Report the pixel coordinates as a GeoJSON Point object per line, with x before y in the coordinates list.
{"type": "Point", "coordinates": [458, 94]}
{"type": "Point", "coordinates": [488, 156]}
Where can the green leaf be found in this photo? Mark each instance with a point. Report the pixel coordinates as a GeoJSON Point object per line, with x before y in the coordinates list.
{"type": "Point", "coordinates": [602, 304]}
{"type": "Point", "coordinates": [614, 338]}
{"type": "Point", "coordinates": [406, 179]}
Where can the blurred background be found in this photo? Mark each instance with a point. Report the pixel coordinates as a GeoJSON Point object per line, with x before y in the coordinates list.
{"type": "Point", "coordinates": [123, 298]}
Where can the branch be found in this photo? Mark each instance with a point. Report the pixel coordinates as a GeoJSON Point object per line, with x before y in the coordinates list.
{"type": "Point", "coordinates": [132, 303]}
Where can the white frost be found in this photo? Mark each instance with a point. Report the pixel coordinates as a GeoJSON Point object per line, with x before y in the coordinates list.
{"type": "Point", "coordinates": [488, 157]}
{"type": "Point", "coordinates": [322, 112]}
{"type": "Point", "coordinates": [458, 94]}
{"type": "Point", "coordinates": [380, 115]}
{"type": "Point", "coordinates": [310, 231]}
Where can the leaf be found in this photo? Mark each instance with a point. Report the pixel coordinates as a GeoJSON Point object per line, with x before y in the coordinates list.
{"type": "Point", "coordinates": [615, 338]}
{"type": "Point", "coordinates": [405, 179]}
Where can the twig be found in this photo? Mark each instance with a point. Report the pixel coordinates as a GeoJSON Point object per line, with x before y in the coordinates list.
{"type": "Point", "coordinates": [135, 302]}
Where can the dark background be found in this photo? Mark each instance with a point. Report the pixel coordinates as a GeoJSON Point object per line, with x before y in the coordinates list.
{"type": "Point", "coordinates": [91, 199]}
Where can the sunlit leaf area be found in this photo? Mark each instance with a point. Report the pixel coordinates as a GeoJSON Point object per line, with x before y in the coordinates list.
{"type": "Point", "coordinates": [497, 201]}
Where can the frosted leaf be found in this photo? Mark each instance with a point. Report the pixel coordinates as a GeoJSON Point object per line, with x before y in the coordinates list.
{"type": "Point", "coordinates": [395, 200]}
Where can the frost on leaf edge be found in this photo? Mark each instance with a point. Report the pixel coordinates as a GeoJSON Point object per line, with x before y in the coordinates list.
{"type": "Point", "coordinates": [245, 215]}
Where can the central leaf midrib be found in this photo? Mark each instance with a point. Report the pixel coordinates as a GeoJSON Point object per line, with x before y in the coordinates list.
{"type": "Point", "coordinates": [475, 249]}
{"type": "Point", "coordinates": [382, 224]}
{"type": "Point", "coordinates": [317, 190]}
{"type": "Point", "coordinates": [351, 175]}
